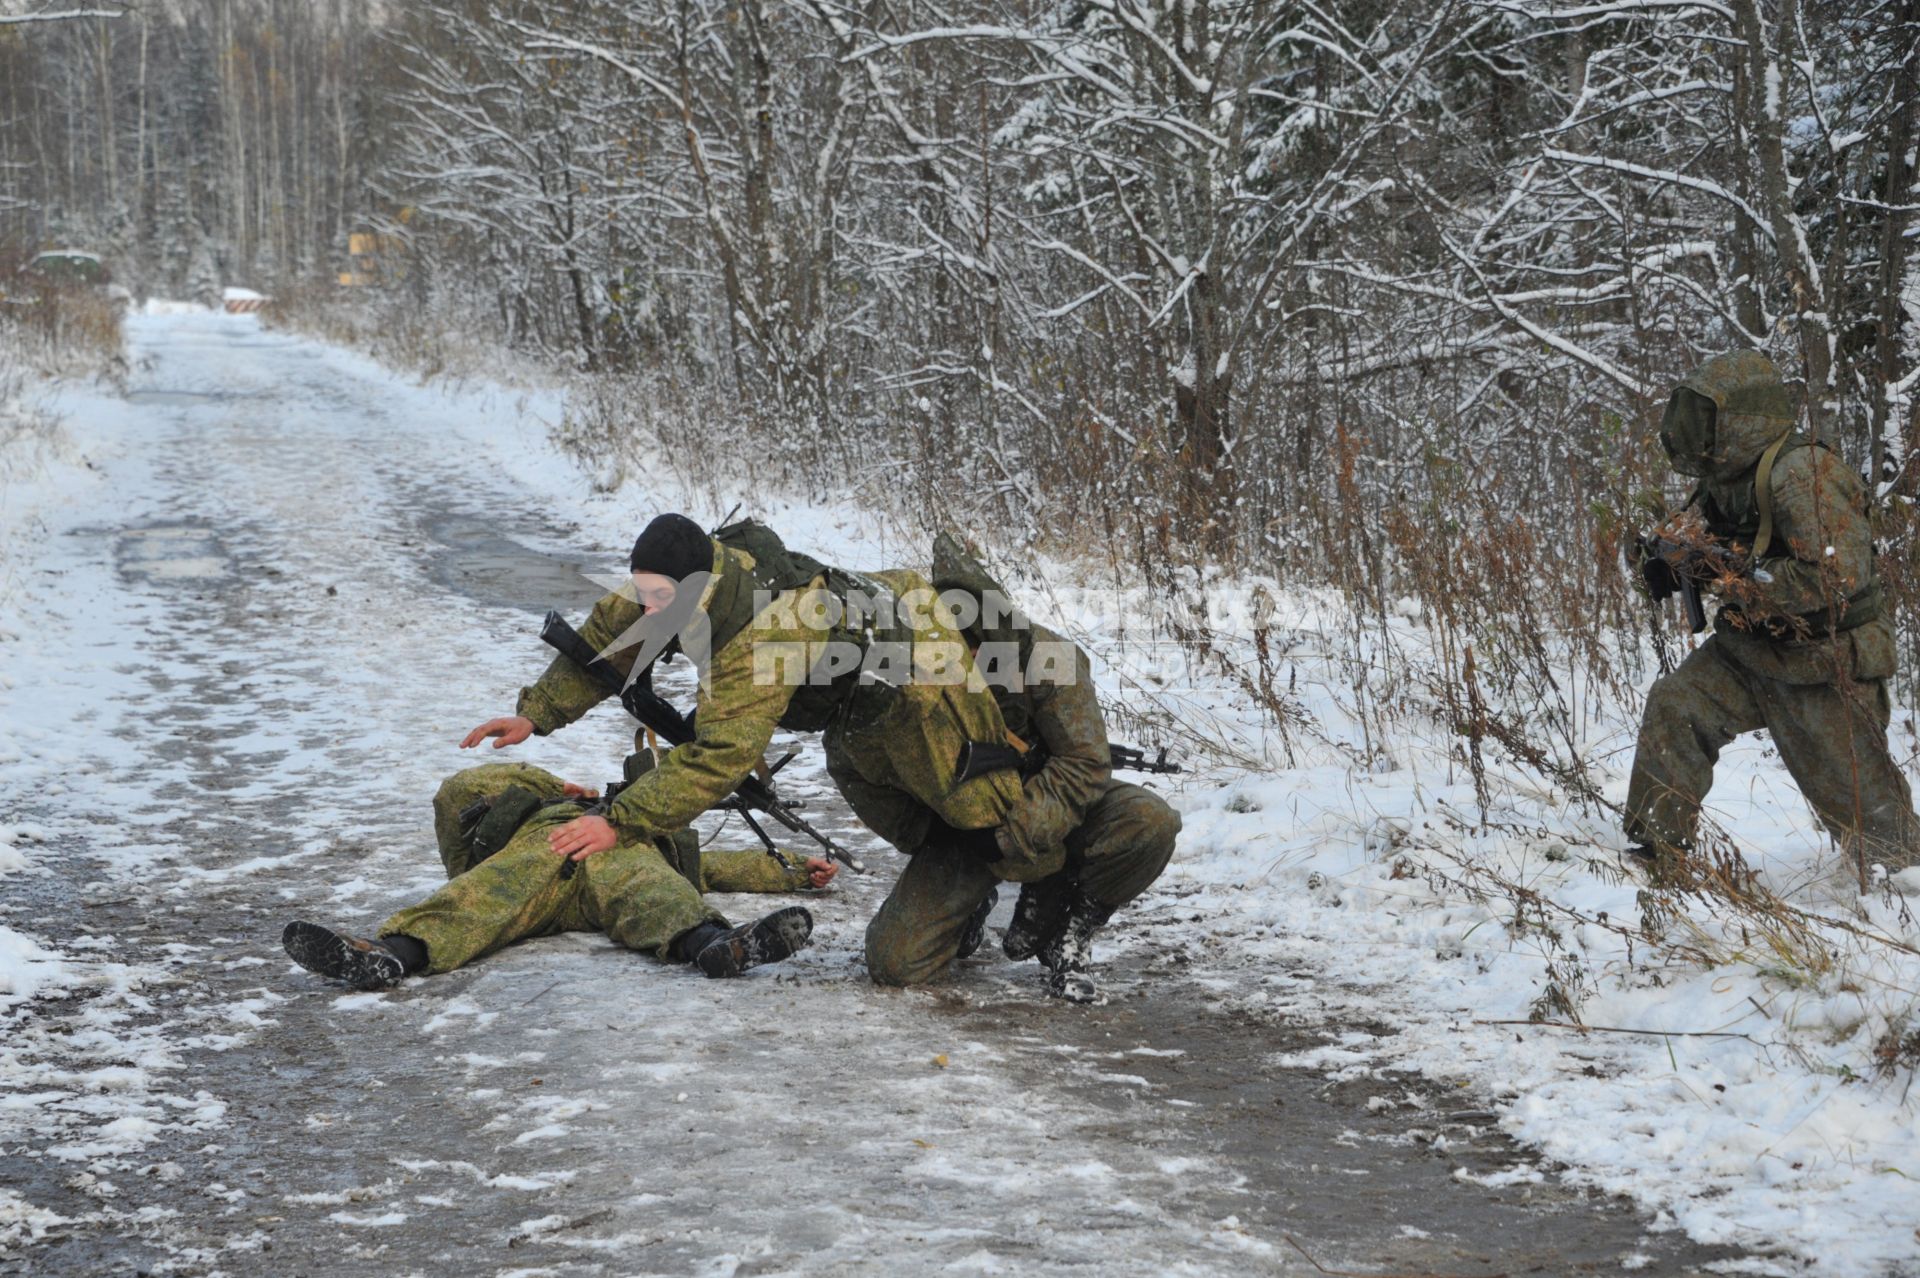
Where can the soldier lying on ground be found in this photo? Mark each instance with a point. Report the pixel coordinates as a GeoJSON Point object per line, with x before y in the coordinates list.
{"type": "Point", "coordinates": [452, 927]}
{"type": "Point", "coordinates": [1802, 645]}
{"type": "Point", "coordinates": [481, 813]}
{"type": "Point", "coordinates": [468, 797]}
{"type": "Point", "coordinates": [559, 869]}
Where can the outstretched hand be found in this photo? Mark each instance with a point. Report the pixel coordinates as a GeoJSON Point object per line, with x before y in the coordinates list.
{"type": "Point", "coordinates": [511, 730]}
{"type": "Point", "coordinates": [581, 837]}
{"type": "Point", "coordinates": [820, 871]}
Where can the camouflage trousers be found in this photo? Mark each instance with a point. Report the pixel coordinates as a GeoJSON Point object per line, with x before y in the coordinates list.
{"type": "Point", "coordinates": [1116, 853]}
{"type": "Point", "coordinates": [1831, 734]}
{"type": "Point", "coordinates": [629, 892]}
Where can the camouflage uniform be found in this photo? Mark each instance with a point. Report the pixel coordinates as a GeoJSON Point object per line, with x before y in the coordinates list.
{"type": "Point", "coordinates": [630, 892]}
{"type": "Point", "coordinates": [759, 620]}
{"type": "Point", "coordinates": [1071, 824]}
{"type": "Point", "coordinates": [718, 870]}
{"type": "Point", "coordinates": [641, 896]}
{"type": "Point", "coordinates": [892, 745]}
{"type": "Point", "coordinates": [904, 736]}
{"type": "Point", "coordinates": [1805, 655]}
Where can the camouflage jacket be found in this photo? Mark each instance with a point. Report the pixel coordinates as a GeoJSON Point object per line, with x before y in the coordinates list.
{"type": "Point", "coordinates": [1812, 593]}
{"type": "Point", "coordinates": [1060, 716]}
{"type": "Point", "coordinates": [740, 705]}
{"type": "Point", "coordinates": [1056, 712]}
{"type": "Point", "coordinates": [1721, 425]}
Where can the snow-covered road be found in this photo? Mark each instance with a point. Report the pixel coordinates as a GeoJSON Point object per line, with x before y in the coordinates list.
{"type": "Point", "coordinates": [246, 634]}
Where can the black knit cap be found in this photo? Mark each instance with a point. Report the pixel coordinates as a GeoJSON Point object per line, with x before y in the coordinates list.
{"type": "Point", "coordinates": [672, 546]}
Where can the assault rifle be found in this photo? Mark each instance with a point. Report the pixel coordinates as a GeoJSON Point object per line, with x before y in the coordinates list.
{"type": "Point", "coordinates": [1671, 565]}
{"type": "Point", "coordinates": [754, 794]}
{"type": "Point", "coordinates": [977, 758]}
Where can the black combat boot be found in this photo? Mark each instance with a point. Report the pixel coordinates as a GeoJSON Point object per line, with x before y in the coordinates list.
{"type": "Point", "coordinates": [773, 938]}
{"type": "Point", "coordinates": [1037, 917]}
{"type": "Point", "coordinates": [1068, 956]}
{"type": "Point", "coordinates": [363, 964]}
{"type": "Point", "coordinates": [976, 929]}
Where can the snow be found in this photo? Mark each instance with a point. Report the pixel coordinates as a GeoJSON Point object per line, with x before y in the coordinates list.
{"type": "Point", "coordinates": [1738, 1099]}
{"type": "Point", "coordinates": [162, 306]}
{"type": "Point", "coordinates": [20, 1219]}
{"type": "Point", "coordinates": [233, 293]}
{"type": "Point", "coordinates": [27, 969]}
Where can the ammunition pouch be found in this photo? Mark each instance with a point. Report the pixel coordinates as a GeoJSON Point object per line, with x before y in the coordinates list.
{"type": "Point", "coordinates": [1860, 609]}
{"type": "Point", "coordinates": [486, 828]}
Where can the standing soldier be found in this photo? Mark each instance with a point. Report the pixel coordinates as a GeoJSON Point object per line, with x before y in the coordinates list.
{"type": "Point", "coordinates": [1802, 644]}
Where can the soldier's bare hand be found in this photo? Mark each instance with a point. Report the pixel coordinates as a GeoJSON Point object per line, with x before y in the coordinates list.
{"type": "Point", "coordinates": [582, 837]}
{"type": "Point", "coordinates": [820, 871]}
{"type": "Point", "coordinates": [568, 790]}
{"type": "Point", "coordinates": [511, 730]}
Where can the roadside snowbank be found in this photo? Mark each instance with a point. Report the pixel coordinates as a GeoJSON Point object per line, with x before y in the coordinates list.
{"type": "Point", "coordinates": [40, 465]}
{"type": "Point", "coordinates": [87, 1066]}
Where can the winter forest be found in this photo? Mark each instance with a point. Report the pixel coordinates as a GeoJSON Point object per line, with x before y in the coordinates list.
{"type": "Point", "coordinates": [1361, 313]}
{"type": "Point", "coordinates": [1337, 288]}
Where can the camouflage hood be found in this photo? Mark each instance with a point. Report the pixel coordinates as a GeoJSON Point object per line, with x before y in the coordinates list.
{"type": "Point", "coordinates": [955, 569]}
{"type": "Point", "coordinates": [1723, 416]}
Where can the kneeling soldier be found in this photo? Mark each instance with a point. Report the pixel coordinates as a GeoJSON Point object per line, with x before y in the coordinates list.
{"type": "Point", "coordinates": [1080, 843]}
{"type": "Point", "coordinates": [781, 640]}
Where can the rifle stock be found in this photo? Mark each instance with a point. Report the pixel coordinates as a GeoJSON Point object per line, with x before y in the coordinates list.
{"type": "Point", "coordinates": [977, 758]}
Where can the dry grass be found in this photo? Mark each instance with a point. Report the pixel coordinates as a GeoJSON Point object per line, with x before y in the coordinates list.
{"type": "Point", "coordinates": [402, 331]}
{"type": "Point", "coordinates": [62, 330]}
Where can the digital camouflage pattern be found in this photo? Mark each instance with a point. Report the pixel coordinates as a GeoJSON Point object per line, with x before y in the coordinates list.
{"type": "Point", "coordinates": [895, 754]}
{"type": "Point", "coordinates": [897, 737]}
{"type": "Point", "coordinates": [1118, 848]}
{"type": "Point", "coordinates": [1806, 655]}
{"type": "Point", "coordinates": [720, 870]}
{"type": "Point", "coordinates": [1071, 822]}
{"type": "Point", "coordinates": [629, 892]}
{"type": "Point", "coordinates": [893, 750]}
{"type": "Point", "coordinates": [1832, 736]}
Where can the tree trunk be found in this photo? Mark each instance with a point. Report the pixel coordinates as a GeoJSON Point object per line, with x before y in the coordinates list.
{"type": "Point", "coordinates": [1766, 114]}
{"type": "Point", "coordinates": [1895, 193]}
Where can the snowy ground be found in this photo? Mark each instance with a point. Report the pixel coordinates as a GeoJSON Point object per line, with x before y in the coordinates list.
{"type": "Point", "coordinates": [245, 611]}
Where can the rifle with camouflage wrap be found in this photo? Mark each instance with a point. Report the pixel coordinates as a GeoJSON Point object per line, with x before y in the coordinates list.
{"type": "Point", "coordinates": [754, 794]}
{"type": "Point", "coordinates": [1671, 564]}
